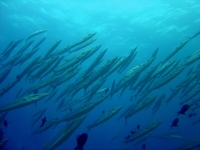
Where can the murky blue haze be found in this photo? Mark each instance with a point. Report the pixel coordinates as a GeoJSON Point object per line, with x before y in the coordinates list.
{"type": "Point", "coordinates": [120, 26]}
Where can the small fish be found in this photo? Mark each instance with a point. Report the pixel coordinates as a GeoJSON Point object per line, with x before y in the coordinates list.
{"type": "Point", "coordinates": [192, 115]}
{"type": "Point", "coordinates": [132, 132]}
{"type": "Point", "coordinates": [43, 121]}
{"type": "Point", "coordinates": [175, 122]}
{"type": "Point", "coordinates": [81, 140]}
{"type": "Point", "coordinates": [36, 33]}
{"type": "Point", "coordinates": [184, 109]}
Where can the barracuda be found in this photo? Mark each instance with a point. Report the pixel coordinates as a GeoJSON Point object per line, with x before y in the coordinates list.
{"type": "Point", "coordinates": [8, 87]}
{"type": "Point", "coordinates": [82, 110]}
{"type": "Point", "coordinates": [106, 116]}
{"type": "Point", "coordinates": [84, 39]}
{"type": "Point", "coordinates": [95, 63]}
{"type": "Point", "coordinates": [78, 47]}
{"type": "Point", "coordinates": [139, 106]}
{"type": "Point", "coordinates": [143, 132]}
{"type": "Point", "coordinates": [27, 100]}
{"type": "Point", "coordinates": [167, 79]}
{"type": "Point", "coordinates": [36, 33]}
{"type": "Point", "coordinates": [65, 133]}
{"type": "Point", "coordinates": [79, 58]}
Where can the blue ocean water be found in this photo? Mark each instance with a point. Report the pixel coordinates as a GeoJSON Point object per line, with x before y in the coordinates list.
{"type": "Point", "coordinates": [120, 26]}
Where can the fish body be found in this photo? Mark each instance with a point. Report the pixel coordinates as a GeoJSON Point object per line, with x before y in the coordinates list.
{"type": "Point", "coordinates": [143, 132]}
{"type": "Point", "coordinates": [23, 102]}
{"type": "Point", "coordinates": [8, 87]}
{"type": "Point", "coordinates": [184, 109]}
{"type": "Point", "coordinates": [36, 33]}
{"type": "Point", "coordinates": [84, 39]}
{"type": "Point", "coordinates": [82, 110]}
{"type": "Point", "coordinates": [81, 140]}
{"type": "Point", "coordinates": [65, 133]}
{"type": "Point", "coordinates": [38, 115]}
{"type": "Point", "coordinates": [175, 122]}
{"type": "Point", "coordinates": [4, 75]}
{"type": "Point", "coordinates": [44, 120]}
{"type": "Point", "coordinates": [46, 126]}
{"type": "Point", "coordinates": [106, 116]}
{"type": "Point", "coordinates": [192, 115]}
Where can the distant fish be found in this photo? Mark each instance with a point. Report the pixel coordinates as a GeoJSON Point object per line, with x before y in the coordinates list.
{"type": "Point", "coordinates": [44, 120]}
{"type": "Point", "coordinates": [184, 109]}
{"type": "Point", "coordinates": [169, 136]}
{"type": "Point", "coordinates": [175, 122]}
{"type": "Point", "coordinates": [36, 33]}
{"type": "Point", "coordinates": [24, 101]}
{"type": "Point", "coordinates": [192, 115]}
{"type": "Point", "coordinates": [138, 127]}
{"type": "Point", "coordinates": [81, 140]}
{"type": "Point", "coordinates": [106, 116]}
{"type": "Point", "coordinates": [65, 133]}
{"type": "Point", "coordinates": [132, 132]}
{"type": "Point", "coordinates": [143, 132]}
{"type": "Point", "coordinates": [38, 115]}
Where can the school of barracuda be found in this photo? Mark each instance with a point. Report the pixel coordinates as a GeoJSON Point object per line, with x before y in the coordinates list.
{"type": "Point", "coordinates": [55, 69]}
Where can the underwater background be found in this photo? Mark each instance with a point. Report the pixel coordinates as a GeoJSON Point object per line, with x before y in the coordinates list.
{"type": "Point", "coordinates": [120, 27]}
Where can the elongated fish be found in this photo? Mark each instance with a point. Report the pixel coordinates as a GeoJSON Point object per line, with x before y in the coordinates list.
{"type": "Point", "coordinates": [82, 110]}
{"type": "Point", "coordinates": [36, 33]}
{"type": "Point", "coordinates": [64, 134]}
{"type": "Point", "coordinates": [23, 102]}
{"type": "Point", "coordinates": [106, 116]}
{"type": "Point", "coordinates": [143, 132]}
